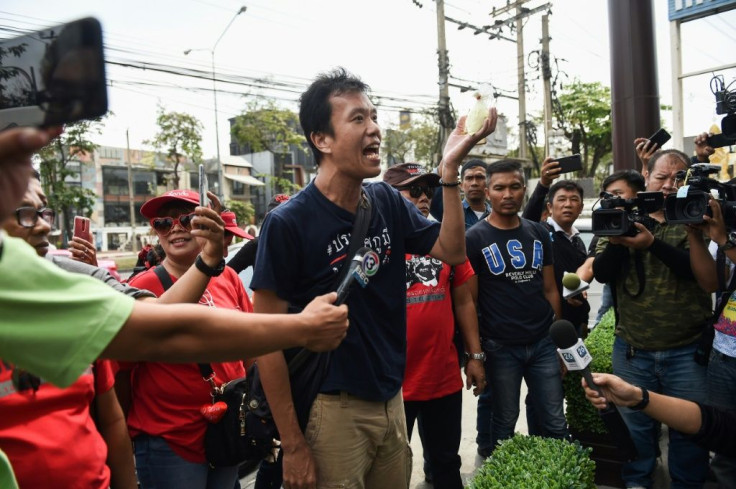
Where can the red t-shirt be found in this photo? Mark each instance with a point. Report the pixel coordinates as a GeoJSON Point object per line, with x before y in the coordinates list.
{"type": "Point", "coordinates": [50, 437]}
{"type": "Point", "coordinates": [432, 370]}
{"type": "Point", "coordinates": [166, 398]}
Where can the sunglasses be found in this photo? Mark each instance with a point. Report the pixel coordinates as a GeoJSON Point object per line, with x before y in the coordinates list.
{"type": "Point", "coordinates": [164, 225]}
{"type": "Point", "coordinates": [27, 217]}
{"type": "Point", "coordinates": [416, 191]}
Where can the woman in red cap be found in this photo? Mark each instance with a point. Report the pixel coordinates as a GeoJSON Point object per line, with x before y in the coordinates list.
{"type": "Point", "coordinates": [165, 416]}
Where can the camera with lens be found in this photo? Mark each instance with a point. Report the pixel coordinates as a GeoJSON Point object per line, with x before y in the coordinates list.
{"type": "Point", "coordinates": [725, 104]}
{"type": "Point", "coordinates": [616, 216]}
{"type": "Point", "coordinates": [690, 203]}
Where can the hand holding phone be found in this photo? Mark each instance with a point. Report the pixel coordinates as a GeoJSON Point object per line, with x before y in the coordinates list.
{"type": "Point", "coordinates": [719, 141]}
{"type": "Point", "coordinates": [53, 76]}
{"type": "Point", "coordinates": [569, 164]}
{"type": "Point", "coordinates": [660, 137]}
{"type": "Point", "coordinates": [82, 228]}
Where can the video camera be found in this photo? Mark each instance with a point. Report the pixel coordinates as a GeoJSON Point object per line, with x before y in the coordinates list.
{"type": "Point", "coordinates": [616, 216]}
{"type": "Point", "coordinates": [690, 203]}
{"type": "Point", "coordinates": [725, 104]}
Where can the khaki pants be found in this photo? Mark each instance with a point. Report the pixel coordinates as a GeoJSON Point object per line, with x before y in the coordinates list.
{"type": "Point", "coordinates": [359, 444]}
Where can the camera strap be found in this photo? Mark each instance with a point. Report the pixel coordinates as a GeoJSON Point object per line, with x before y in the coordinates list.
{"type": "Point", "coordinates": [639, 265]}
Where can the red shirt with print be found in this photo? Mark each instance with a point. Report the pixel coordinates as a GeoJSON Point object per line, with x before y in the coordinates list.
{"type": "Point", "coordinates": [166, 398]}
{"type": "Point", "coordinates": [432, 370]}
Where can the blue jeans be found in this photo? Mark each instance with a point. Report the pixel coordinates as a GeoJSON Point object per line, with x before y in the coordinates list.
{"type": "Point", "coordinates": [537, 364]}
{"type": "Point", "coordinates": [606, 303]}
{"type": "Point", "coordinates": [671, 372]}
{"type": "Point", "coordinates": [722, 393]}
{"type": "Point", "coordinates": [484, 418]}
{"type": "Point", "coordinates": [158, 467]}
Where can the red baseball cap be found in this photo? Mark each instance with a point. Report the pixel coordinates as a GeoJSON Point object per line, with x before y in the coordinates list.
{"type": "Point", "coordinates": [231, 224]}
{"type": "Point", "coordinates": [150, 209]}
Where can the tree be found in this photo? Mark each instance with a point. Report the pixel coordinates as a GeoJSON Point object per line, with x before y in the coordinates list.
{"type": "Point", "coordinates": [58, 164]}
{"type": "Point", "coordinates": [583, 112]}
{"type": "Point", "coordinates": [180, 135]}
{"type": "Point", "coordinates": [264, 126]}
{"type": "Point", "coordinates": [421, 140]}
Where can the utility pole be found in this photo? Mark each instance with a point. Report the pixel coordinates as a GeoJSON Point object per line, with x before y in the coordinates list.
{"type": "Point", "coordinates": [131, 196]}
{"type": "Point", "coordinates": [521, 81]}
{"type": "Point", "coordinates": [546, 76]}
{"type": "Point", "coordinates": [521, 13]}
{"type": "Point", "coordinates": [447, 122]}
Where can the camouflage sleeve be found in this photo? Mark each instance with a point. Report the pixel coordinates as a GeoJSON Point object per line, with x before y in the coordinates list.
{"type": "Point", "coordinates": [608, 261]}
{"type": "Point", "coordinates": [676, 259]}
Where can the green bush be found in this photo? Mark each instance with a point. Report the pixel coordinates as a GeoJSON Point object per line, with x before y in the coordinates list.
{"type": "Point", "coordinates": [580, 414]}
{"type": "Point", "coordinates": [533, 462]}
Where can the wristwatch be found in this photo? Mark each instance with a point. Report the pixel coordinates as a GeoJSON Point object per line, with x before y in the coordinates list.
{"type": "Point", "coordinates": [476, 356]}
{"type": "Point", "coordinates": [730, 242]}
{"type": "Point", "coordinates": [208, 270]}
{"type": "Point", "coordinates": [644, 400]}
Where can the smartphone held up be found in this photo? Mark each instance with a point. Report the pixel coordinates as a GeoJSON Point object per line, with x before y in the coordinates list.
{"type": "Point", "coordinates": [53, 76]}
{"type": "Point", "coordinates": [82, 228]}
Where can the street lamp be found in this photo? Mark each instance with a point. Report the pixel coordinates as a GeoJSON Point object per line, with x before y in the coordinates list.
{"type": "Point", "coordinates": [214, 91]}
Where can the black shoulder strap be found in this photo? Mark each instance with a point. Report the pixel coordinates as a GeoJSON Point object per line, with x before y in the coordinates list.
{"type": "Point", "coordinates": [204, 368]}
{"type": "Point", "coordinates": [357, 237]}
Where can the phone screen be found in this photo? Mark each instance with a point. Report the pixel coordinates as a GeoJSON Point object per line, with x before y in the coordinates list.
{"type": "Point", "coordinates": [53, 76]}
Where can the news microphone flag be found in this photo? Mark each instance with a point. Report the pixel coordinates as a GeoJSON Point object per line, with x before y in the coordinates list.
{"type": "Point", "coordinates": [577, 358]}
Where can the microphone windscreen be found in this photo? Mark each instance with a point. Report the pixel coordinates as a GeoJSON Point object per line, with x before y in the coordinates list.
{"type": "Point", "coordinates": [563, 333]}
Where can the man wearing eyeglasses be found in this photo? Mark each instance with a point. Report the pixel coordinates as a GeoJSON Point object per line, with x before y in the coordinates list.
{"type": "Point", "coordinates": [432, 387]}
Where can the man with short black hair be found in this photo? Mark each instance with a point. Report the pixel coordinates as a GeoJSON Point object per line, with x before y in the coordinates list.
{"type": "Point", "coordinates": [294, 262]}
{"type": "Point", "coordinates": [518, 301]}
{"type": "Point", "coordinates": [473, 185]}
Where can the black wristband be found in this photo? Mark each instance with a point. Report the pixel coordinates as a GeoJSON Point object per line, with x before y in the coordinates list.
{"type": "Point", "coordinates": [449, 184]}
{"type": "Point", "coordinates": [644, 400]}
{"type": "Point", "coordinates": [208, 270]}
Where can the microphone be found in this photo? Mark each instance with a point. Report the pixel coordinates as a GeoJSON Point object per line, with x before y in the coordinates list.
{"type": "Point", "coordinates": [576, 357]}
{"type": "Point", "coordinates": [364, 265]}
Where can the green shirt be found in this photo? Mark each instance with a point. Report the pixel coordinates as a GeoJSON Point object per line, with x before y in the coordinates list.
{"type": "Point", "coordinates": [54, 323]}
{"type": "Point", "coordinates": [671, 311]}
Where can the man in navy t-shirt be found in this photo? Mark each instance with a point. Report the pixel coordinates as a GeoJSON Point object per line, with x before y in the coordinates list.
{"type": "Point", "coordinates": [517, 302]}
{"type": "Point", "coordinates": [356, 433]}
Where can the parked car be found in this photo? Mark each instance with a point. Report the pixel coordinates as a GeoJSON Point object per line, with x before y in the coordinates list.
{"type": "Point", "coordinates": [104, 263]}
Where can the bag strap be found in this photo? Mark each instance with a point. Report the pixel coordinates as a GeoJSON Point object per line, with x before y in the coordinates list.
{"type": "Point", "coordinates": [163, 276]}
{"type": "Point", "coordinates": [357, 237]}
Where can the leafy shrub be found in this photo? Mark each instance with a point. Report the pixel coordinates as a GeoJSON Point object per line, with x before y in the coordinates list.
{"type": "Point", "coordinates": [580, 414]}
{"type": "Point", "coordinates": [533, 462]}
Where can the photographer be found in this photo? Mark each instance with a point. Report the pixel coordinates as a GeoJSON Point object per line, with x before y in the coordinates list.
{"type": "Point", "coordinates": [714, 268]}
{"type": "Point", "coordinates": [660, 313]}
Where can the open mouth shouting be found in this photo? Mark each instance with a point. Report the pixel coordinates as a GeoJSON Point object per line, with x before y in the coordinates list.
{"type": "Point", "coordinates": [371, 153]}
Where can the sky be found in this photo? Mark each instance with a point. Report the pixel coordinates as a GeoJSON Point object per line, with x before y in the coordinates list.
{"type": "Point", "coordinates": [390, 44]}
